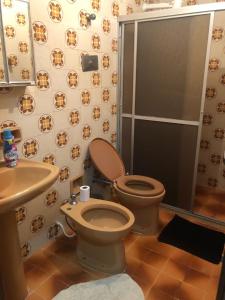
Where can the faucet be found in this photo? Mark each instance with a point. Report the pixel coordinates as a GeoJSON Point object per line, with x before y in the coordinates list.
{"type": "Point", "coordinates": [73, 199]}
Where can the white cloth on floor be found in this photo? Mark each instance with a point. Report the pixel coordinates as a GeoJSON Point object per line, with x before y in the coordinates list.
{"type": "Point", "coordinates": [116, 287]}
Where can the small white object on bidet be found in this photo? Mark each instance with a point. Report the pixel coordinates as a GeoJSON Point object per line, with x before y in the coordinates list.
{"type": "Point", "coordinates": [84, 193]}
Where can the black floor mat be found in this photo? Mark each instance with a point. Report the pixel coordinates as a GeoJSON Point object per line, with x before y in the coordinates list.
{"type": "Point", "coordinates": [195, 239]}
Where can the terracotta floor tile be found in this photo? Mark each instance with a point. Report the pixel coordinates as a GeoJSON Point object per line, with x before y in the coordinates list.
{"type": "Point", "coordinates": [132, 265]}
{"type": "Point", "coordinates": [147, 274]}
{"type": "Point", "coordinates": [167, 284]}
{"type": "Point", "coordinates": [176, 270]}
{"type": "Point", "coordinates": [188, 292]}
{"type": "Point", "coordinates": [70, 273]}
{"type": "Point", "coordinates": [142, 283]}
{"type": "Point", "coordinates": [156, 294]}
{"type": "Point", "coordinates": [181, 257]}
{"type": "Point", "coordinates": [50, 288]}
{"type": "Point", "coordinates": [130, 239]}
{"type": "Point", "coordinates": [201, 265]}
{"type": "Point", "coordinates": [197, 279]}
{"type": "Point", "coordinates": [35, 277]}
{"type": "Point", "coordinates": [153, 259]}
{"type": "Point", "coordinates": [34, 296]}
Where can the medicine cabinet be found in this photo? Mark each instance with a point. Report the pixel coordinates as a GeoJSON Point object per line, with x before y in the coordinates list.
{"type": "Point", "coordinates": [16, 48]}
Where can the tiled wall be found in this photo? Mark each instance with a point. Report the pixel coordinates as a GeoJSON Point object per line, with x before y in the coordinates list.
{"type": "Point", "coordinates": [67, 108]}
{"type": "Point", "coordinates": [211, 168]}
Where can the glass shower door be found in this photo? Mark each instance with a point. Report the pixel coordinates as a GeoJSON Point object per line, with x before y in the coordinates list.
{"type": "Point", "coordinates": [163, 119]}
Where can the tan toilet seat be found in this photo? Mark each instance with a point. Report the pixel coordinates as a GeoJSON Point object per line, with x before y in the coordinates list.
{"type": "Point", "coordinates": [152, 187]}
{"type": "Point", "coordinates": [107, 160]}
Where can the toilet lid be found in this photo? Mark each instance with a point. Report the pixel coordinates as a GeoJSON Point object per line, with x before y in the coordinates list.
{"type": "Point", "coordinates": [125, 183]}
{"type": "Point", "coordinates": [106, 159]}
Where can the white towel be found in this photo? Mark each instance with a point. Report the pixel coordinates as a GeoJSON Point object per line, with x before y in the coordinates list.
{"type": "Point", "coordinates": [117, 287]}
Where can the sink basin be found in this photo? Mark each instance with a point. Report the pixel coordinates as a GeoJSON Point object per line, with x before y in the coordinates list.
{"type": "Point", "coordinates": [22, 183]}
{"type": "Point", "coordinates": [17, 186]}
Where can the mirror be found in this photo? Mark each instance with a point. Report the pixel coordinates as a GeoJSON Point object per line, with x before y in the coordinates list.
{"type": "Point", "coordinates": [18, 42]}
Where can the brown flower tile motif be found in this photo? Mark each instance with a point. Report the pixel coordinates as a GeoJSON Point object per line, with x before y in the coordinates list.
{"type": "Point", "coordinates": [114, 78]}
{"type": "Point", "coordinates": [57, 58]}
{"type": "Point", "coordinates": [53, 231]}
{"type": "Point", "coordinates": [7, 3]}
{"type": "Point", "coordinates": [74, 117]}
{"type": "Point", "coordinates": [2, 74]}
{"type": "Point", "coordinates": [26, 104]}
{"type": "Point", "coordinates": [83, 19]}
{"type": "Point", "coordinates": [114, 45]}
{"type": "Point", "coordinates": [114, 109]}
{"type": "Point", "coordinates": [8, 123]}
{"type": "Point", "coordinates": [105, 126]}
{"type": "Point", "coordinates": [71, 38]}
{"type": "Point", "coordinates": [72, 79]}
{"type": "Point", "coordinates": [105, 61]}
{"type": "Point", "coordinates": [86, 132]}
{"type": "Point", "coordinates": [219, 133]}
{"type": "Point", "coordinates": [96, 41]}
{"type": "Point", "coordinates": [25, 249]}
{"type": "Point", "coordinates": [87, 163]}
{"type": "Point", "coordinates": [37, 224]}
{"type": "Point", "coordinates": [210, 93]}
{"type": "Point", "coordinates": [30, 148]}
{"type": "Point", "coordinates": [21, 19]}
{"type": "Point", "coordinates": [106, 26]}
{"type": "Point", "coordinates": [96, 113]}
{"type": "Point", "coordinates": [40, 33]}
{"type": "Point", "coordinates": [138, 2]}
{"type": "Point", "coordinates": [60, 100]}
{"type": "Point", "coordinates": [85, 97]}
{"type": "Point", "coordinates": [191, 2]}
{"type": "Point", "coordinates": [207, 119]}
{"type": "Point", "coordinates": [23, 47]}
{"type": "Point", "coordinates": [6, 90]}
{"type": "Point", "coordinates": [51, 198]}
{"type": "Point", "coordinates": [62, 139]}
{"type": "Point", "coordinates": [115, 9]}
{"type": "Point", "coordinates": [215, 158]}
{"type": "Point", "coordinates": [204, 144]}
{"type": "Point", "coordinates": [113, 138]}
{"type": "Point", "coordinates": [220, 107]}
{"type": "Point", "coordinates": [10, 32]}
{"type": "Point", "coordinates": [75, 152]}
{"type": "Point", "coordinates": [43, 80]}
{"type": "Point", "coordinates": [96, 4]}
{"type": "Point", "coordinates": [214, 64]}
{"type": "Point", "coordinates": [12, 60]}
{"type": "Point", "coordinates": [55, 11]}
{"type": "Point", "coordinates": [49, 159]}
{"type": "Point", "coordinates": [25, 74]}
{"type": "Point", "coordinates": [96, 79]}
{"type": "Point", "coordinates": [201, 168]}
{"type": "Point", "coordinates": [105, 95]}
{"type": "Point", "coordinates": [45, 123]}
{"type": "Point", "coordinates": [222, 79]}
{"type": "Point", "coordinates": [21, 213]}
{"type": "Point", "coordinates": [129, 10]}
{"type": "Point", "coordinates": [212, 182]}
{"type": "Point", "coordinates": [217, 34]}
{"type": "Point", "coordinates": [64, 174]}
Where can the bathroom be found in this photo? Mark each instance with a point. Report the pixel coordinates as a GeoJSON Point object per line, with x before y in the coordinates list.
{"type": "Point", "coordinates": [68, 108]}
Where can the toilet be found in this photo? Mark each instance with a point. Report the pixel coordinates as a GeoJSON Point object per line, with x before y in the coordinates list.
{"type": "Point", "coordinates": [101, 227]}
{"type": "Point", "coordinates": [140, 194]}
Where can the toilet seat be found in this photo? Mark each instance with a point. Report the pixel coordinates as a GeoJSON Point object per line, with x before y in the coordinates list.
{"type": "Point", "coordinates": [155, 187]}
{"type": "Point", "coordinates": [107, 160]}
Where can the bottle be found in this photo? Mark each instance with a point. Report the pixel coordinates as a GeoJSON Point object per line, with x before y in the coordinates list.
{"type": "Point", "coordinates": [9, 149]}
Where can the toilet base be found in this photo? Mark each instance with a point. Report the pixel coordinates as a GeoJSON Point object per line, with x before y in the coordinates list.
{"type": "Point", "coordinates": [106, 258]}
{"type": "Point", "coordinates": [146, 219]}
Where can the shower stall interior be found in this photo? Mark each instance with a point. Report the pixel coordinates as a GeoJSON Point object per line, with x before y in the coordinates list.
{"type": "Point", "coordinates": [164, 58]}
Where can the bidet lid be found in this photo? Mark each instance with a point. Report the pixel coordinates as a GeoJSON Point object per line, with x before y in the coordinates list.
{"type": "Point", "coordinates": [106, 159]}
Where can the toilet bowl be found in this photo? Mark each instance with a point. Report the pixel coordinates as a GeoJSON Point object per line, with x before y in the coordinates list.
{"type": "Point", "coordinates": [100, 226]}
{"type": "Point", "coordinates": [140, 194]}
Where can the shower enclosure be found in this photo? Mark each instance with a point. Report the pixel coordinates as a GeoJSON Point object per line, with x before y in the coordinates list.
{"type": "Point", "coordinates": [163, 65]}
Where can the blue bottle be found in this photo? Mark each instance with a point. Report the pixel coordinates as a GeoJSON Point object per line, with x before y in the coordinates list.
{"type": "Point", "coordinates": [9, 149]}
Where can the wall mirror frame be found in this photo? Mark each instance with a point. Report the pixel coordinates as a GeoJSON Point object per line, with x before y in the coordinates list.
{"type": "Point", "coordinates": [179, 129]}
{"type": "Point", "coordinates": [17, 67]}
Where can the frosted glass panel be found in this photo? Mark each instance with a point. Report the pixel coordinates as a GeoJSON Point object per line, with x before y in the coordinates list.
{"type": "Point", "coordinates": [170, 67]}
{"type": "Point", "coordinates": [126, 142]}
{"type": "Point", "coordinates": [128, 63]}
{"type": "Point", "coordinates": [166, 152]}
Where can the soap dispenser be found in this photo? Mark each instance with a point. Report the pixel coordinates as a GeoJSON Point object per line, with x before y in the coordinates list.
{"type": "Point", "coordinates": [9, 149]}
